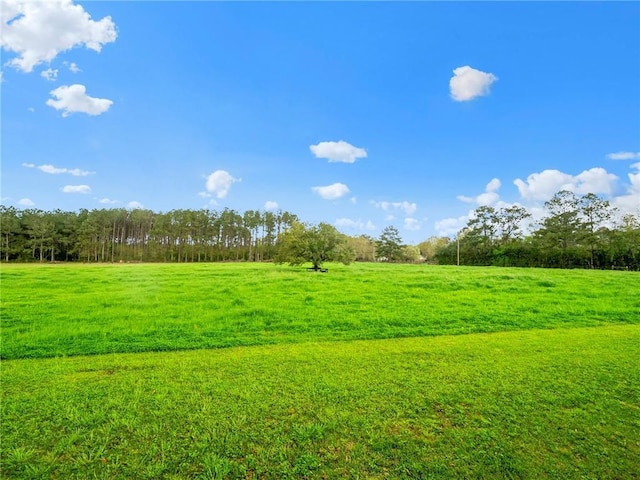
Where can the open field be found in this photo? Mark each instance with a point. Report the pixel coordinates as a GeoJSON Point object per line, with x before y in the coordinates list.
{"type": "Point", "coordinates": [88, 309]}
{"type": "Point", "coordinates": [544, 383]}
{"type": "Point", "coordinates": [535, 404]}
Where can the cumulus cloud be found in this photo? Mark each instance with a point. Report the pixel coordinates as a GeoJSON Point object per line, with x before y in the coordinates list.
{"type": "Point", "coordinates": [49, 74]}
{"type": "Point", "coordinates": [355, 224]}
{"type": "Point", "coordinates": [468, 83]}
{"type": "Point", "coordinates": [219, 183]}
{"type": "Point", "coordinates": [26, 202]}
{"type": "Point", "coordinates": [408, 208]}
{"type": "Point", "coordinates": [489, 197]}
{"type": "Point", "coordinates": [73, 68]}
{"type": "Point", "coordinates": [76, 172]}
{"type": "Point", "coordinates": [411, 224]}
{"type": "Point", "coordinates": [133, 205]}
{"type": "Point", "coordinates": [450, 226]}
{"type": "Point", "coordinates": [76, 189]}
{"type": "Point", "coordinates": [630, 203]}
{"type": "Point", "coordinates": [595, 180]}
{"type": "Point", "coordinates": [38, 31]}
{"type": "Point", "coordinates": [74, 99]}
{"type": "Point", "coordinates": [331, 192]}
{"type": "Point", "coordinates": [542, 186]}
{"type": "Point", "coordinates": [624, 156]}
{"type": "Point", "coordinates": [108, 201]}
{"type": "Point", "coordinates": [270, 205]}
{"type": "Point", "coordinates": [338, 151]}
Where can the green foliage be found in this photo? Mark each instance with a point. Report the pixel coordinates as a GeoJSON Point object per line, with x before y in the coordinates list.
{"type": "Point", "coordinates": [364, 248]}
{"type": "Point", "coordinates": [313, 243]}
{"type": "Point", "coordinates": [389, 245]}
{"type": "Point", "coordinates": [119, 235]}
{"type": "Point", "coordinates": [576, 232]}
{"type": "Point", "coordinates": [430, 247]}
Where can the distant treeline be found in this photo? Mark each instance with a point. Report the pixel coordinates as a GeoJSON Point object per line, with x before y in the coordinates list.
{"type": "Point", "coordinates": [115, 235]}
{"type": "Point", "coordinates": [575, 232]}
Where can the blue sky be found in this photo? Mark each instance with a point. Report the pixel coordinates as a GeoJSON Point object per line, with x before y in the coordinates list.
{"type": "Point", "coordinates": [359, 114]}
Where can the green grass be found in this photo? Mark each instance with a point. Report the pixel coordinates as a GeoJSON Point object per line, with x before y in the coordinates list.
{"type": "Point", "coordinates": [540, 404]}
{"type": "Point", "coordinates": [502, 373]}
{"type": "Point", "coordinates": [60, 310]}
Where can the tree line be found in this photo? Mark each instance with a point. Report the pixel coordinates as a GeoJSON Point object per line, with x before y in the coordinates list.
{"type": "Point", "coordinates": [120, 235]}
{"type": "Point", "coordinates": [574, 232]}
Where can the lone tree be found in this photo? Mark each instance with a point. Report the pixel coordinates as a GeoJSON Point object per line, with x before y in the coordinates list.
{"type": "Point", "coordinates": [313, 243]}
{"type": "Point", "coordinates": [389, 245]}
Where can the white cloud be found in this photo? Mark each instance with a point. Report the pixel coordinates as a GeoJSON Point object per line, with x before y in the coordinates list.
{"type": "Point", "coordinates": [493, 185]}
{"type": "Point", "coordinates": [270, 205]}
{"type": "Point", "coordinates": [408, 208]}
{"type": "Point", "coordinates": [355, 224]}
{"type": "Point", "coordinates": [108, 201]}
{"type": "Point", "coordinates": [73, 68]}
{"type": "Point", "coordinates": [331, 192]}
{"type": "Point", "coordinates": [76, 189]}
{"type": "Point", "coordinates": [204, 194]}
{"type": "Point", "coordinates": [630, 203]}
{"type": "Point", "coordinates": [411, 224]}
{"type": "Point", "coordinates": [451, 226]}
{"type": "Point", "coordinates": [26, 202]}
{"type": "Point", "coordinates": [624, 156]}
{"type": "Point", "coordinates": [133, 205]}
{"type": "Point", "coordinates": [468, 83]}
{"type": "Point", "coordinates": [76, 172]}
{"type": "Point", "coordinates": [338, 151]}
{"type": "Point", "coordinates": [38, 31]}
{"type": "Point", "coordinates": [489, 197]}
{"type": "Point", "coordinates": [219, 183]}
{"type": "Point", "coordinates": [74, 99]}
{"type": "Point", "coordinates": [49, 74]}
{"type": "Point", "coordinates": [542, 186]}
{"type": "Point", "coordinates": [595, 180]}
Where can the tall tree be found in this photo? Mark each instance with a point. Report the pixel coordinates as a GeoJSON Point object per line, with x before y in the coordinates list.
{"type": "Point", "coordinates": [558, 231]}
{"type": "Point", "coordinates": [10, 228]}
{"type": "Point", "coordinates": [389, 245]}
{"type": "Point", "coordinates": [509, 222]}
{"type": "Point", "coordinates": [596, 213]}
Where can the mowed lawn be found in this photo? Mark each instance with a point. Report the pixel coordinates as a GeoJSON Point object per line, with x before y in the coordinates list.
{"type": "Point", "coordinates": [317, 384]}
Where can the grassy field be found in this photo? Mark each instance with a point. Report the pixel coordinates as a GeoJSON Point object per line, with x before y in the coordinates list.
{"type": "Point", "coordinates": [77, 309]}
{"type": "Point", "coordinates": [544, 384]}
